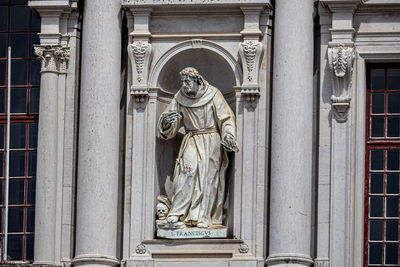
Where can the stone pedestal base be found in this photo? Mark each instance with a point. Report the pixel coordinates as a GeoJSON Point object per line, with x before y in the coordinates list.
{"type": "Point", "coordinates": [193, 232]}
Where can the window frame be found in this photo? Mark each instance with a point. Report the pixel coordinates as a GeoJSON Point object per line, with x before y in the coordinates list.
{"type": "Point", "coordinates": [24, 118]}
{"type": "Point", "coordinates": [385, 143]}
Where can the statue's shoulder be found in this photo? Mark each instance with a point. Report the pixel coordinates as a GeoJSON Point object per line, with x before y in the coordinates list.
{"type": "Point", "coordinates": [196, 102]}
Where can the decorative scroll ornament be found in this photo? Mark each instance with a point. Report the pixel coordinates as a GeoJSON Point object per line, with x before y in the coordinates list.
{"type": "Point", "coordinates": [250, 54]}
{"type": "Point", "coordinates": [341, 60]}
{"type": "Point", "coordinates": [244, 248]}
{"type": "Point", "coordinates": [140, 249]}
{"type": "Point", "coordinates": [140, 54]}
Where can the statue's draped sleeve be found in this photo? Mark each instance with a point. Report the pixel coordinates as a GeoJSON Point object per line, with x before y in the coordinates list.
{"type": "Point", "coordinates": [224, 116]}
{"type": "Point", "coordinates": [172, 130]}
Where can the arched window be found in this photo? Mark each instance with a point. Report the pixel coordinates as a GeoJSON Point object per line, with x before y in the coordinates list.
{"type": "Point", "coordinates": [18, 29]}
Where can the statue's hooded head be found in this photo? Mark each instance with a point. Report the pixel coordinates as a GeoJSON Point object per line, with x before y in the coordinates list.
{"type": "Point", "coordinates": [193, 84]}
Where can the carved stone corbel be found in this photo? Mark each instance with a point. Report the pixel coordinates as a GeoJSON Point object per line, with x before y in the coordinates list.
{"type": "Point", "coordinates": [140, 55]}
{"type": "Point", "coordinates": [341, 60]}
{"type": "Point", "coordinates": [250, 54]}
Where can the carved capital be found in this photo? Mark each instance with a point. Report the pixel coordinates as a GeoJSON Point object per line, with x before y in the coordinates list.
{"type": "Point", "coordinates": [140, 55]}
{"type": "Point", "coordinates": [250, 54]}
{"type": "Point", "coordinates": [341, 60]}
{"type": "Point", "coordinates": [64, 57]}
{"type": "Point", "coordinates": [52, 58]}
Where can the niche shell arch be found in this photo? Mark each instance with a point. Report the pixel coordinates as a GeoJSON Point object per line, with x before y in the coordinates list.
{"type": "Point", "coordinates": [188, 52]}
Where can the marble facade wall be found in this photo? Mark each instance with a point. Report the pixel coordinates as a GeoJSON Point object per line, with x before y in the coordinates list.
{"type": "Point", "coordinates": [262, 212]}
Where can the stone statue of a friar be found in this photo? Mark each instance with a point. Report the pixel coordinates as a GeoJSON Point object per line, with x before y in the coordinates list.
{"type": "Point", "coordinates": [199, 175]}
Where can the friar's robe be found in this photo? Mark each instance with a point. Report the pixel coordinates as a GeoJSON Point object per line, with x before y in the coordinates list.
{"type": "Point", "coordinates": [199, 176]}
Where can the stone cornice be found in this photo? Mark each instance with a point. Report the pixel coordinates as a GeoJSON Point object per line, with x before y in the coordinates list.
{"type": "Point", "coordinates": [135, 3]}
{"type": "Point", "coordinates": [341, 5]}
{"type": "Point", "coordinates": [51, 4]}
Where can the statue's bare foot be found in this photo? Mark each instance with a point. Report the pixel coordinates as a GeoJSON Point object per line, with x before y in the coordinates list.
{"type": "Point", "coordinates": [172, 219]}
{"type": "Point", "coordinates": [202, 225]}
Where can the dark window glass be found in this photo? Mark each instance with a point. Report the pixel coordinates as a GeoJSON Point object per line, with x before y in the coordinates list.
{"type": "Point", "coordinates": [375, 253]}
{"type": "Point", "coordinates": [35, 73]}
{"type": "Point", "coordinates": [378, 103]}
{"type": "Point", "coordinates": [2, 100]}
{"type": "Point", "coordinates": [394, 79]}
{"type": "Point", "coordinates": [20, 18]}
{"type": "Point", "coordinates": [17, 135]}
{"type": "Point", "coordinates": [35, 26]}
{"type": "Point", "coordinates": [393, 126]}
{"type": "Point", "coordinates": [32, 163]}
{"type": "Point", "coordinates": [382, 223]}
{"type": "Point", "coordinates": [19, 28]}
{"type": "Point", "coordinates": [393, 159]}
{"type": "Point", "coordinates": [19, 45]}
{"type": "Point", "coordinates": [377, 159]}
{"type": "Point", "coordinates": [2, 136]}
{"type": "Point", "coordinates": [19, 72]}
{"type": "Point", "coordinates": [17, 163]}
{"type": "Point", "coordinates": [31, 191]}
{"type": "Point", "coordinates": [29, 247]}
{"type": "Point", "coordinates": [4, 18]}
{"type": "Point", "coordinates": [391, 254]}
{"type": "Point", "coordinates": [17, 190]}
{"type": "Point", "coordinates": [392, 230]}
{"type": "Point", "coordinates": [392, 186]}
{"type": "Point", "coordinates": [15, 247]}
{"type": "Point", "coordinates": [34, 100]}
{"type": "Point", "coordinates": [376, 206]}
{"type": "Point", "coordinates": [18, 100]}
{"type": "Point", "coordinates": [3, 67]}
{"type": "Point", "coordinates": [1, 196]}
{"type": "Point", "coordinates": [2, 157]}
{"type": "Point", "coordinates": [15, 219]}
{"type": "Point", "coordinates": [392, 207]}
{"type": "Point", "coordinates": [3, 45]}
{"type": "Point", "coordinates": [378, 79]}
{"type": "Point", "coordinates": [377, 126]}
{"type": "Point", "coordinates": [34, 40]}
{"type": "Point", "coordinates": [375, 230]}
{"type": "Point", "coordinates": [18, 1]}
{"type": "Point", "coordinates": [394, 103]}
{"type": "Point", "coordinates": [33, 132]}
{"type": "Point", "coordinates": [376, 185]}
{"type": "Point", "coordinates": [30, 225]}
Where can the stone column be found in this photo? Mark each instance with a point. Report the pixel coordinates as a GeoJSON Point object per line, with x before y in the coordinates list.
{"type": "Point", "coordinates": [291, 154]}
{"type": "Point", "coordinates": [46, 182]}
{"type": "Point", "coordinates": [97, 182]}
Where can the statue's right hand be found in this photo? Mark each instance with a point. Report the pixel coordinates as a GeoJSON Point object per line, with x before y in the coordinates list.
{"type": "Point", "coordinates": [170, 118]}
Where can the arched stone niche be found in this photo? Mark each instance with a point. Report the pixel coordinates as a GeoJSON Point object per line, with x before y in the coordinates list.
{"type": "Point", "coordinates": [219, 68]}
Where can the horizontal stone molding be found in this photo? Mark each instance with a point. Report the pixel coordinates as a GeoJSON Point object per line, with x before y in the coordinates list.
{"type": "Point", "coordinates": [193, 2]}
{"type": "Point", "coordinates": [95, 259]}
{"type": "Point", "coordinates": [289, 258]}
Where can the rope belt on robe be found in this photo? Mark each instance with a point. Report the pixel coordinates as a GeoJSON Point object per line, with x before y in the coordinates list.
{"type": "Point", "coordinates": [185, 142]}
